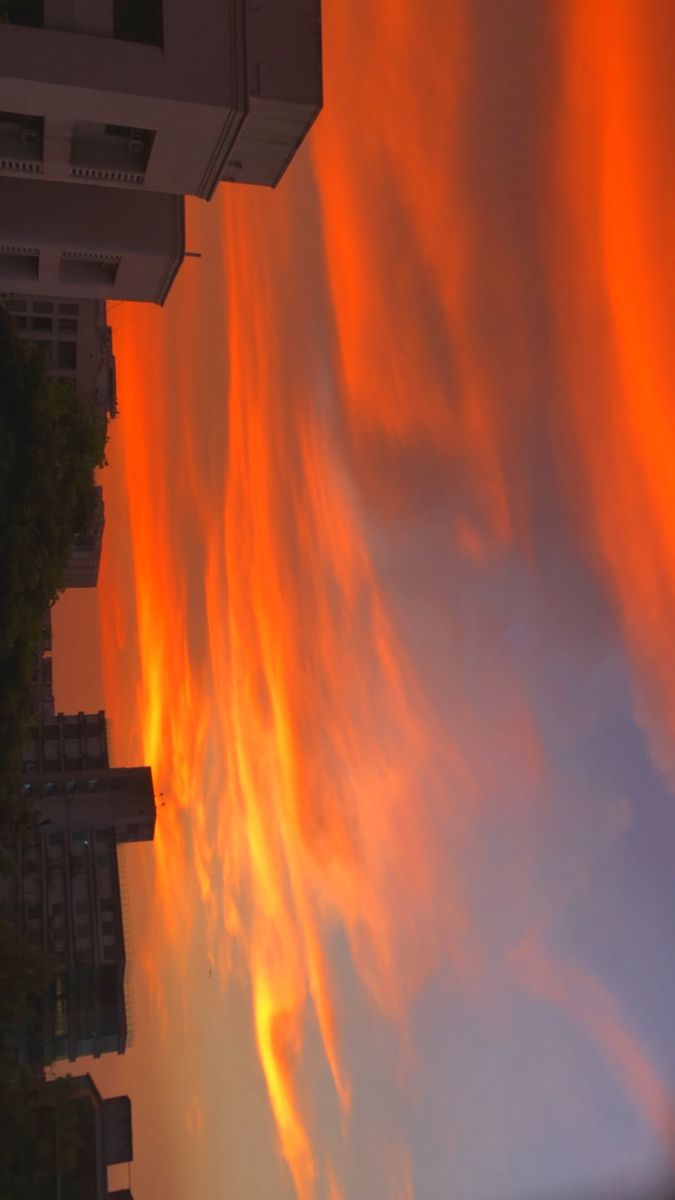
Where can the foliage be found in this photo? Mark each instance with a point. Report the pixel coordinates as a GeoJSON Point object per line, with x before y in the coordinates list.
{"type": "Point", "coordinates": [51, 440]}
{"type": "Point", "coordinates": [41, 1135]}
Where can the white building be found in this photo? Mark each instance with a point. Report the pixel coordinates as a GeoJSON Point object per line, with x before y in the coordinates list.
{"type": "Point", "coordinates": [80, 242]}
{"type": "Point", "coordinates": [159, 95]}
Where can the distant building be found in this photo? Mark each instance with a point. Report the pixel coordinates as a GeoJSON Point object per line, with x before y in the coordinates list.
{"type": "Point", "coordinates": [64, 890]}
{"type": "Point", "coordinates": [102, 1137]}
{"type": "Point", "coordinates": [76, 242]}
{"type": "Point", "coordinates": [85, 556]}
{"type": "Point", "coordinates": [164, 95]}
{"type": "Point", "coordinates": [77, 340]}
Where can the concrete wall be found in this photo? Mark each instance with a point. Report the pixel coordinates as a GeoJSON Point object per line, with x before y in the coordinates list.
{"type": "Point", "coordinates": [137, 236]}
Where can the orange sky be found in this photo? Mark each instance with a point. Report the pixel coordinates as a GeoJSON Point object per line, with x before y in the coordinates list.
{"type": "Point", "coordinates": [386, 389]}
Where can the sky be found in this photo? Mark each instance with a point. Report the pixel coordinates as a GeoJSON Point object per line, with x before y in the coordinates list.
{"type": "Point", "coordinates": [386, 602]}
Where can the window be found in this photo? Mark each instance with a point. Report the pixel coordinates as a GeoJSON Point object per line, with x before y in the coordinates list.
{"type": "Point", "coordinates": [34, 911]}
{"type": "Point", "coordinates": [15, 306]}
{"type": "Point", "coordinates": [24, 12]}
{"type": "Point", "coordinates": [20, 322]}
{"type": "Point", "coordinates": [42, 323]}
{"type": "Point", "coordinates": [108, 928]}
{"type": "Point", "coordinates": [82, 929]}
{"type": "Point", "coordinates": [67, 325]}
{"type": "Point", "coordinates": [71, 309]}
{"type": "Point", "coordinates": [139, 21]}
{"type": "Point", "coordinates": [82, 907]}
{"type": "Point", "coordinates": [110, 952]}
{"type": "Point", "coordinates": [42, 306]}
{"type": "Point", "coordinates": [66, 356]}
{"type": "Point", "coordinates": [106, 905]}
{"type": "Point", "coordinates": [19, 266]}
{"type": "Point", "coordinates": [57, 909]}
{"type": "Point", "coordinates": [56, 839]}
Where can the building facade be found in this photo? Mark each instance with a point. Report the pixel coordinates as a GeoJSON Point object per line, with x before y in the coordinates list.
{"type": "Point", "coordinates": [76, 339]}
{"type": "Point", "coordinates": [65, 888]}
{"type": "Point", "coordinates": [158, 95]}
{"type": "Point", "coordinates": [102, 1134]}
{"type": "Point", "coordinates": [74, 242]}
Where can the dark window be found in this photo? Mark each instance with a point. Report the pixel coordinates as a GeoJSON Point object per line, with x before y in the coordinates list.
{"type": "Point", "coordinates": [42, 323]}
{"type": "Point", "coordinates": [139, 21]}
{"type": "Point", "coordinates": [15, 306]}
{"type": "Point", "coordinates": [108, 927]}
{"type": "Point", "coordinates": [82, 929]}
{"type": "Point", "coordinates": [67, 325]}
{"type": "Point", "coordinates": [71, 309]}
{"type": "Point", "coordinates": [56, 839]}
{"type": "Point", "coordinates": [110, 952]}
{"type": "Point", "coordinates": [21, 322]}
{"type": "Point", "coordinates": [43, 306]}
{"type": "Point", "coordinates": [23, 12]}
{"type": "Point", "coordinates": [107, 905]}
{"type": "Point", "coordinates": [19, 266]}
{"type": "Point", "coordinates": [82, 907]}
{"type": "Point", "coordinates": [66, 356]}
{"type": "Point", "coordinates": [57, 909]}
{"type": "Point", "coordinates": [34, 911]}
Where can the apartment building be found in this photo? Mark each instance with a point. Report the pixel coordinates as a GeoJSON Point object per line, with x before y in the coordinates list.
{"type": "Point", "coordinates": [158, 95]}
{"type": "Point", "coordinates": [65, 890]}
{"type": "Point", "coordinates": [75, 242]}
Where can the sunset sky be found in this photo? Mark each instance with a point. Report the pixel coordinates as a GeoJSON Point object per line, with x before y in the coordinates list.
{"type": "Point", "coordinates": [387, 602]}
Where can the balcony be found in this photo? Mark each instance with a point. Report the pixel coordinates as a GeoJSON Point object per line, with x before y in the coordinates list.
{"type": "Point", "coordinates": [110, 153]}
{"type": "Point", "coordinates": [21, 140]}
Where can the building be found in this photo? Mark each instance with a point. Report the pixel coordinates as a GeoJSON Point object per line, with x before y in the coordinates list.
{"type": "Point", "coordinates": [77, 340]}
{"type": "Point", "coordinates": [65, 887]}
{"type": "Point", "coordinates": [41, 683]}
{"type": "Point", "coordinates": [70, 785]}
{"type": "Point", "coordinates": [75, 242]}
{"type": "Point", "coordinates": [100, 1136]}
{"type": "Point", "coordinates": [85, 556]}
{"type": "Point", "coordinates": [157, 95]}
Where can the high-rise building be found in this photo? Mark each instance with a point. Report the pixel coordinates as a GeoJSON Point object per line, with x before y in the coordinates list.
{"type": "Point", "coordinates": [159, 95]}
{"type": "Point", "coordinates": [65, 889]}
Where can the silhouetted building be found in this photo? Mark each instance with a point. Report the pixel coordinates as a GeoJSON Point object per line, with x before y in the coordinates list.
{"type": "Point", "coordinates": [101, 1137]}
{"type": "Point", "coordinates": [64, 890]}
